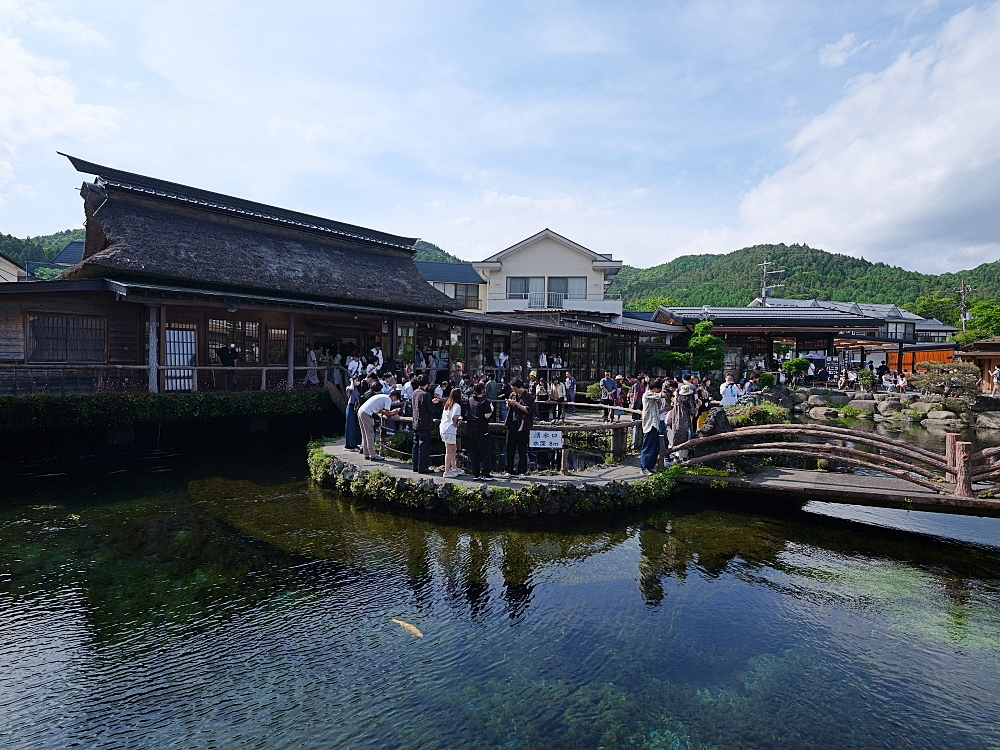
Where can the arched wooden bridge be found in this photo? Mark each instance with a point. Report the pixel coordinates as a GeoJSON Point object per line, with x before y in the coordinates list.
{"type": "Point", "coordinates": [958, 473]}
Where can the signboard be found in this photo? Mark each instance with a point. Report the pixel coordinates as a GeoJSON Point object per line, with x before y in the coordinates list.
{"type": "Point", "coordinates": [833, 367]}
{"type": "Point", "coordinates": [545, 439]}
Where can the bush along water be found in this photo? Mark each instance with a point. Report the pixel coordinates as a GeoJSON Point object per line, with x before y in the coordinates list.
{"type": "Point", "coordinates": [426, 494]}
{"type": "Point", "coordinates": [102, 409]}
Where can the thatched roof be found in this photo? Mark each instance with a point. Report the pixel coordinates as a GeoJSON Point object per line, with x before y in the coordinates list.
{"type": "Point", "coordinates": [138, 227]}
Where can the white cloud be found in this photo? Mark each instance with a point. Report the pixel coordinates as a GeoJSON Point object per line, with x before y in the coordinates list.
{"type": "Point", "coordinates": [836, 54]}
{"type": "Point", "coordinates": [37, 103]}
{"type": "Point", "coordinates": [41, 17]}
{"type": "Point", "coordinates": [905, 166]}
{"type": "Point", "coordinates": [573, 37]}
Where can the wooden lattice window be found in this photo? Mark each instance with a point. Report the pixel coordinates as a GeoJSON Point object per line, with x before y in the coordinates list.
{"type": "Point", "coordinates": [66, 338]}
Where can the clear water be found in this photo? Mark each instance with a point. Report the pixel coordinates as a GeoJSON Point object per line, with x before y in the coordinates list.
{"type": "Point", "coordinates": [220, 601]}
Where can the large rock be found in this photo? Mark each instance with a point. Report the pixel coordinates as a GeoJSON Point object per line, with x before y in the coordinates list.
{"type": "Point", "coordinates": [797, 398]}
{"type": "Point", "coordinates": [982, 402]}
{"type": "Point", "coordinates": [921, 407]}
{"type": "Point", "coordinates": [939, 414]}
{"type": "Point", "coordinates": [942, 424]}
{"type": "Point", "coordinates": [989, 420]}
{"type": "Point", "coordinates": [715, 423]}
{"type": "Point", "coordinates": [823, 412]}
{"type": "Point", "coordinates": [817, 400]}
{"type": "Point", "coordinates": [839, 399]}
{"type": "Point", "coordinates": [884, 407]}
{"type": "Point", "coordinates": [862, 404]}
{"type": "Point", "coordinates": [818, 391]}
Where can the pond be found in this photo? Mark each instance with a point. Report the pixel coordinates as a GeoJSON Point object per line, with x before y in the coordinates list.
{"type": "Point", "coordinates": [221, 601]}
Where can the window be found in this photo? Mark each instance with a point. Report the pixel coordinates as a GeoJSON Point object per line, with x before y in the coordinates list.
{"type": "Point", "coordinates": [246, 336]}
{"type": "Point", "coordinates": [181, 346]}
{"type": "Point", "coordinates": [466, 294]}
{"type": "Point", "coordinates": [902, 331]}
{"type": "Point", "coordinates": [566, 287]}
{"type": "Point", "coordinates": [530, 288]}
{"type": "Point", "coordinates": [65, 338]}
{"type": "Point", "coordinates": [277, 346]}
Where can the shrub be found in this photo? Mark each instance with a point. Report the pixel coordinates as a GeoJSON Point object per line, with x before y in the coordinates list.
{"type": "Point", "coordinates": [867, 380]}
{"type": "Point", "coordinates": [669, 361]}
{"type": "Point", "coordinates": [796, 367]}
{"type": "Point", "coordinates": [744, 415]}
{"type": "Point", "coordinates": [767, 380]}
{"type": "Point", "coordinates": [948, 379]}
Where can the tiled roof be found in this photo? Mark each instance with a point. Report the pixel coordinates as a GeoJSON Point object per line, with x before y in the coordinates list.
{"type": "Point", "coordinates": [448, 273]}
{"type": "Point", "coordinates": [70, 255]}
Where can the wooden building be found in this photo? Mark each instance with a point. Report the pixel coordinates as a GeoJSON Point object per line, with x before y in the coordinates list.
{"type": "Point", "coordinates": [171, 274]}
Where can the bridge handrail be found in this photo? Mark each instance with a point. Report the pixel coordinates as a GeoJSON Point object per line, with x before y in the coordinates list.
{"type": "Point", "coordinates": [838, 449]}
{"type": "Point", "coordinates": [916, 452]}
{"type": "Point", "coordinates": [935, 486]}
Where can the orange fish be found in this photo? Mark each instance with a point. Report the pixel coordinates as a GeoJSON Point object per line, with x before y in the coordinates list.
{"type": "Point", "coordinates": [412, 629]}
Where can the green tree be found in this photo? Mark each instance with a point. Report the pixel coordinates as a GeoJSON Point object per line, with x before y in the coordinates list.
{"type": "Point", "coordinates": [428, 251]}
{"type": "Point", "coordinates": [796, 367]}
{"type": "Point", "coordinates": [668, 361]}
{"type": "Point", "coordinates": [650, 304]}
{"type": "Point", "coordinates": [984, 322]}
{"type": "Point", "coordinates": [708, 352]}
{"type": "Point", "coordinates": [937, 306]}
{"type": "Point", "coordinates": [948, 378]}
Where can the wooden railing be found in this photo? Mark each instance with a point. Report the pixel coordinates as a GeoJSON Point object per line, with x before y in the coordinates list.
{"type": "Point", "coordinates": [959, 472]}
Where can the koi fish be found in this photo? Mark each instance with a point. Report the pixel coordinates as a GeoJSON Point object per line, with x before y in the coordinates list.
{"type": "Point", "coordinates": [412, 629]}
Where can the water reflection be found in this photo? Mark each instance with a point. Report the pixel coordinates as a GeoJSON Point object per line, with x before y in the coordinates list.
{"type": "Point", "coordinates": [227, 599]}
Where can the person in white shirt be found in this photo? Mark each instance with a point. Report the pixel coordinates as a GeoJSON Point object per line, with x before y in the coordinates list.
{"type": "Point", "coordinates": [730, 391]}
{"type": "Point", "coordinates": [379, 404]}
{"type": "Point", "coordinates": [450, 417]}
{"type": "Point", "coordinates": [354, 366]}
{"type": "Point", "coordinates": [543, 360]}
{"type": "Point", "coordinates": [995, 381]}
{"type": "Point", "coordinates": [377, 358]}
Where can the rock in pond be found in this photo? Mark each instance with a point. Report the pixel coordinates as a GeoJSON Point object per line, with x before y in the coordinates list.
{"type": "Point", "coordinates": [797, 398]}
{"type": "Point", "coordinates": [884, 407]}
{"type": "Point", "coordinates": [817, 401]}
{"type": "Point", "coordinates": [942, 424]}
{"type": "Point", "coordinates": [989, 420]}
{"type": "Point", "coordinates": [921, 407]}
{"type": "Point", "coordinates": [839, 399]}
{"type": "Point", "coordinates": [984, 403]}
{"type": "Point", "coordinates": [862, 404]}
{"type": "Point", "coordinates": [823, 412]}
{"type": "Point", "coordinates": [939, 414]}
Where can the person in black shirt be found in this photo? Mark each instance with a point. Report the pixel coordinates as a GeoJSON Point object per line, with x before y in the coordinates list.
{"type": "Point", "coordinates": [228, 356]}
{"type": "Point", "coordinates": [520, 420]}
{"type": "Point", "coordinates": [478, 430]}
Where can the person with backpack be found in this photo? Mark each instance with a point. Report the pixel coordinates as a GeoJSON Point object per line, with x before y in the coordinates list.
{"type": "Point", "coordinates": [423, 423]}
{"type": "Point", "coordinates": [480, 411]}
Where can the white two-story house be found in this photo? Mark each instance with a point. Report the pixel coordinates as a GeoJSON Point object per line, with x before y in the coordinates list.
{"type": "Point", "coordinates": [549, 272]}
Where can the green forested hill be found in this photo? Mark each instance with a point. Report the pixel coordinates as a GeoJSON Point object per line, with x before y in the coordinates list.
{"type": "Point", "coordinates": [735, 279]}
{"type": "Point", "coordinates": [42, 248]}
{"type": "Point", "coordinates": [428, 251]}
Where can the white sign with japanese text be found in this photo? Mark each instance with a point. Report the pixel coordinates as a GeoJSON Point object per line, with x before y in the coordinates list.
{"type": "Point", "coordinates": [545, 439]}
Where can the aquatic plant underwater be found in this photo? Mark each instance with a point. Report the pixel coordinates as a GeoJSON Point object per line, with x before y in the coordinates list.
{"type": "Point", "coordinates": [223, 601]}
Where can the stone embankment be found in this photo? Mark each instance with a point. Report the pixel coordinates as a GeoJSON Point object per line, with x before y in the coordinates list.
{"type": "Point", "coordinates": [930, 411]}
{"type": "Point", "coordinates": [392, 483]}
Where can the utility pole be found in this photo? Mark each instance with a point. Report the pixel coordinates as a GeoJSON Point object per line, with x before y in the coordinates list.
{"type": "Point", "coordinates": [963, 307]}
{"type": "Point", "coordinates": [766, 289]}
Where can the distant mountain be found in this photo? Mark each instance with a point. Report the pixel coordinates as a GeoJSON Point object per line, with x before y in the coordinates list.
{"type": "Point", "coordinates": [42, 248]}
{"type": "Point", "coordinates": [735, 279]}
{"type": "Point", "coordinates": [427, 251]}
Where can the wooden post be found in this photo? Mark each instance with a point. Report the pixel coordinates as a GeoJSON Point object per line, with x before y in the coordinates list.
{"type": "Point", "coordinates": [617, 442]}
{"type": "Point", "coordinates": [154, 349]}
{"type": "Point", "coordinates": [291, 351]}
{"type": "Point", "coordinates": [162, 355]}
{"type": "Point", "coordinates": [963, 470]}
{"type": "Point", "coordinates": [263, 378]}
{"type": "Point", "coordinates": [564, 461]}
{"type": "Point", "coordinates": [950, 443]}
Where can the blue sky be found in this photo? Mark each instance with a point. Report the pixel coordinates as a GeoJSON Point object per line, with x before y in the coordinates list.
{"type": "Point", "coordinates": [646, 130]}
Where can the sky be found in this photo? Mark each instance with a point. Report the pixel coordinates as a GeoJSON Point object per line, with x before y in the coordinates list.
{"type": "Point", "coordinates": [643, 129]}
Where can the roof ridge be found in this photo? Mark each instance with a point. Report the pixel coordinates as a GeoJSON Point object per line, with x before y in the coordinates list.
{"type": "Point", "coordinates": [173, 191]}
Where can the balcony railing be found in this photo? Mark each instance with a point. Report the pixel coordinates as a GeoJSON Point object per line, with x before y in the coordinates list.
{"type": "Point", "coordinates": [551, 300]}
